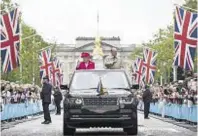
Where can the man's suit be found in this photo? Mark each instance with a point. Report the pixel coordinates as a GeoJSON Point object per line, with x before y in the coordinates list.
{"type": "Point", "coordinates": [147, 98]}
{"type": "Point", "coordinates": [46, 100]}
{"type": "Point", "coordinates": [57, 99]}
{"type": "Point", "coordinates": [112, 62]}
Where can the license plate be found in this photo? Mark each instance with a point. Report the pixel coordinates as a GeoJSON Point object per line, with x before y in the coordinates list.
{"type": "Point", "coordinates": [101, 109]}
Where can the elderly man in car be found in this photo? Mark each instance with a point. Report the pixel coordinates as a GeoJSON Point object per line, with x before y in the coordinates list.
{"type": "Point", "coordinates": [112, 61]}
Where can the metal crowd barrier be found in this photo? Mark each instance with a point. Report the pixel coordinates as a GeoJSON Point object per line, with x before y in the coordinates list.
{"type": "Point", "coordinates": [11, 111]}
{"type": "Point", "coordinates": [176, 111]}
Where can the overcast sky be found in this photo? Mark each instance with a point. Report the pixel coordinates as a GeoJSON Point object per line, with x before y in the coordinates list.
{"type": "Point", "coordinates": [135, 21]}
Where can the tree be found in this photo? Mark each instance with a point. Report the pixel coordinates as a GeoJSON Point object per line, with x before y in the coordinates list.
{"type": "Point", "coordinates": [138, 51]}
{"type": "Point", "coordinates": [191, 4]}
{"type": "Point", "coordinates": [163, 42]}
{"type": "Point", "coordinates": [28, 54]}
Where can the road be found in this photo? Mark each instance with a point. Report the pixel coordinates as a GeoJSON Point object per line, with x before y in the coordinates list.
{"type": "Point", "coordinates": [151, 127]}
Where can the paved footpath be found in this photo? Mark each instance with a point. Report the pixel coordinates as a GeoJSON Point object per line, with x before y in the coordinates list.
{"type": "Point", "coordinates": [151, 127]}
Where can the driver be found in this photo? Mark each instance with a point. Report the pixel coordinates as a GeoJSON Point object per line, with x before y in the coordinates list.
{"type": "Point", "coordinates": [86, 63]}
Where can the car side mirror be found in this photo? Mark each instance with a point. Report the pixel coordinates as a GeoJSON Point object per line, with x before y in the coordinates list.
{"type": "Point", "coordinates": [136, 86]}
{"type": "Point", "coordinates": [64, 87]}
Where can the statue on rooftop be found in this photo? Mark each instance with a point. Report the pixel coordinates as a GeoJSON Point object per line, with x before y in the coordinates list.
{"type": "Point", "coordinates": [97, 51]}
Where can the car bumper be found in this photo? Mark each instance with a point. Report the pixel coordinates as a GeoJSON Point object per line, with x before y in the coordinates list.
{"type": "Point", "coordinates": [86, 118]}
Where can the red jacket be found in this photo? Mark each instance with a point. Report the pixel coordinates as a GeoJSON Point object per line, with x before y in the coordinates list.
{"type": "Point", "coordinates": [91, 65]}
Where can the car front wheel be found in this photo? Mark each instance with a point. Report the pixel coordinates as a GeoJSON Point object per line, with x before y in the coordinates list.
{"type": "Point", "coordinates": [132, 130]}
{"type": "Point", "coordinates": [68, 131]}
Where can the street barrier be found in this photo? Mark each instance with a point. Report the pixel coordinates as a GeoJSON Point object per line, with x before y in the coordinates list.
{"type": "Point", "coordinates": [176, 111]}
{"type": "Point", "coordinates": [11, 111]}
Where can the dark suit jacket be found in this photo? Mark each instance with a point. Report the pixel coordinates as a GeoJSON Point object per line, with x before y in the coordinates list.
{"type": "Point", "coordinates": [147, 96]}
{"type": "Point", "coordinates": [58, 96]}
{"type": "Point", "coordinates": [46, 93]}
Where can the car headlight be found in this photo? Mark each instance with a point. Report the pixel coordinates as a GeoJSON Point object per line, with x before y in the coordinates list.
{"type": "Point", "coordinates": [75, 101]}
{"type": "Point", "coordinates": [126, 100]}
{"type": "Point", "coordinates": [78, 101]}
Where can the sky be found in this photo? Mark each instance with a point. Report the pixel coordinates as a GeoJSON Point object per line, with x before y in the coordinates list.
{"type": "Point", "coordinates": [134, 21]}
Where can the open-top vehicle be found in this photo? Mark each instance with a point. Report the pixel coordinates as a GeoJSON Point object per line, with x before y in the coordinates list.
{"type": "Point", "coordinates": [100, 98]}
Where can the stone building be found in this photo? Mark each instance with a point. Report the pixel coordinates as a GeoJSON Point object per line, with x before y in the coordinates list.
{"type": "Point", "coordinates": [70, 53]}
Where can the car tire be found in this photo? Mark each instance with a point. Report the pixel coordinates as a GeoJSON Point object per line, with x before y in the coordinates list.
{"type": "Point", "coordinates": [132, 130]}
{"type": "Point", "coordinates": [68, 131]}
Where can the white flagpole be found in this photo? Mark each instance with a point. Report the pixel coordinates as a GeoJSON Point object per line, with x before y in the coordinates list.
{"type": "Point", "coordinates": [98, 23]}
{"type": "Point", "coordinates": [45, 48]}
{"type": "Point", "coordinates": [174, 67]}
{"type": "Point", "coordinates": [29, 36]}
{"type": "Point", "coordinates": [138, 56]}
{"type": "Point", "coordinates": [161, 80]}
{"type": "Point", "coordinates": [33, 71]}
{"type": "Point", "coordinates": [175, 73]}
{"type": "Point", "coordinates": [150, 49]}
{"type": "Point", "coordinates": [20, 49]}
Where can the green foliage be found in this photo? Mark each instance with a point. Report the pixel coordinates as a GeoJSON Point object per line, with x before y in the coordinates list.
{"type": "Point", "coordinates": [165, 50]}
{"type": "Point", "coordinates": [137, 52]}
{"type": "Point", "coordinates": [28, 54]}
{"type": "Point", "coordinates": [162, 42]}
{"type": "Point", "coordinates": [191, 4]}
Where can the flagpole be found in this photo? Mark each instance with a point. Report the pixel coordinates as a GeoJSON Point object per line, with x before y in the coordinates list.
{"type": "Point", "coordinates": [138, 56]}
{"type": "Point", "coordinates": [45, 48]}
{"type": "Point", "coordinates": [174, 67]}
{"type": "Point", "coordinates": [29, 36]}
{"type": "Point", "coordinates": [161, 80]}
{"type": "Point", "coordinates": [98, 23]}
{"type": "Point", "coordinates": [33, 71]}
{"type": "Point", "coordinates": [20, 49]}
{"type": "Point", "coordinates": [149, 48]}
{"type": "Point", "coordinates": [175, 73]}
{"type": "Point", "coordinates": [185, 7]}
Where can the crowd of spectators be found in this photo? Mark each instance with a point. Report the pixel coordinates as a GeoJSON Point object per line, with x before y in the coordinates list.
{"type": "Point", "coordinates": [12, 93]}
{"type": "Point", "coordinates": [180, 92]}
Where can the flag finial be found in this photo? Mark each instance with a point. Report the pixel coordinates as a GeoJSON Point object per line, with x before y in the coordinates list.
{"type": "Point", "coordinates": [98, 23]}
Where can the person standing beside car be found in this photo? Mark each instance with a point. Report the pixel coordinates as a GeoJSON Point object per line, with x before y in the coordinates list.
{"type": "Point", "coordinates": [46, 99]}
{"type": "Point", "coordinates": [147, 98]}
{"type": "Point", "coordinates": [57, 99]}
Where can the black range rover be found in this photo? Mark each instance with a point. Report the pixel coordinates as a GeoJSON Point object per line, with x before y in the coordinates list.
{"type": "Point", "coordinates": [85, 106]}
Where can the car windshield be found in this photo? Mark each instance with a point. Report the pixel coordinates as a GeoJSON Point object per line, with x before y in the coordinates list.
{"type": "Point", "coordinates": [90, 80]}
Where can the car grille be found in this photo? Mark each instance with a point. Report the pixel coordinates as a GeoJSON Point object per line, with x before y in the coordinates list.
{"type": "Point", "coordinates": [100, 101]}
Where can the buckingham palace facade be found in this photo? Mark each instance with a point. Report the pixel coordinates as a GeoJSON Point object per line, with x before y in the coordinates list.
{"type": "Point", "coordinates": [68, 54]}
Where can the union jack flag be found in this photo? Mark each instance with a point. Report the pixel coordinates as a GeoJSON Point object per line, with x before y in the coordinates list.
{"type": "Point", "coordinates": [134, 69]}
{"type": "Point", "coordinates": [149, 65]}
{"type": "Point", "coordinates": [45, 63]}
{"type": "Point", "coordinates": [10, 40]}
{"type": "Point", "coordinates": [185, 38]}
{"type": "Point", "coordinates": [61, 73]}
{"type": "Point", "coordinates": [56, 73]}
{"type": "Point", "coordinates": [139, 68]}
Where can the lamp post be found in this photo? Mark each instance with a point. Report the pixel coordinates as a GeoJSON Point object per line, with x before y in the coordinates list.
{"type": "Point", "coordinates": [161, 82]}
{"type": "Point", "coordinates": [165, 74]}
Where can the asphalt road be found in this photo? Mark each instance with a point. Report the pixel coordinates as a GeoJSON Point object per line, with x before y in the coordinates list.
{"type": "Point", "coordinates": [151, 127]}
